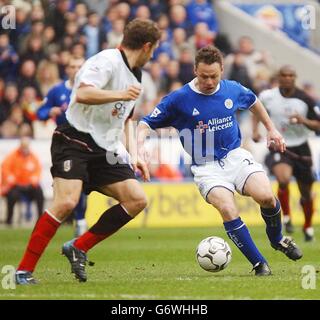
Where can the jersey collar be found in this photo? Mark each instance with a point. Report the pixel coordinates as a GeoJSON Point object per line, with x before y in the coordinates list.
{"type": "Point", "coordinates": [136, 71]}
{"type": "Point", "coordinates": [67, 84]}
{"type": "Point", "coordinates": [194, 88]}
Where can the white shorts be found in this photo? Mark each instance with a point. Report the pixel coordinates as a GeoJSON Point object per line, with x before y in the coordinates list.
{"type": "Point", "coordinates": [230, 172]}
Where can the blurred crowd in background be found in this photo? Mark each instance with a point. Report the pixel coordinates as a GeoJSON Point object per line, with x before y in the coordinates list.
{"type": "Point", "coordinates": [34, 55]}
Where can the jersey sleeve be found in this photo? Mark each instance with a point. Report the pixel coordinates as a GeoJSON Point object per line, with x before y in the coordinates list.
{"type": "Point", "coordinates": [96, 73]}
{"type": "Point", "coordinates": [313, 110]}
{"type": "Point", "coordinates": [161, 116]}
{"type": "Point", "coordinates": [246, 97]}
{"type": "Point", "coordinates": [48, 104]}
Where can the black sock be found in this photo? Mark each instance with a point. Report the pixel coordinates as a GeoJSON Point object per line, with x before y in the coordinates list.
{"type": "Point", "coordinates": [111, 220]}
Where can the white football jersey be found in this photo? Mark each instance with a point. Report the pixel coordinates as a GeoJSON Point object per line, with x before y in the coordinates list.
{"type": "Point", "coordinates": [280, 109]}
{"type": "Point", "coordinates": [108, 70]}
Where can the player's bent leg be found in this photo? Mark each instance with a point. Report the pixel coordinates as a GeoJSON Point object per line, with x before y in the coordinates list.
{"type": "Point", "coordinates": [130, 195]}
{"type": "Point", "coordinates": [283, 174]}
{"type": "Point", "coordinates": [259, 188]}
{"type": "Point", "coordinates": [223, 200]}
{"type": "Point", "coordinates": [66, 193]}
{"type": "Point", "coordinates": [131, 199]}
{"type": "Point", "coordinates": [307, 204]}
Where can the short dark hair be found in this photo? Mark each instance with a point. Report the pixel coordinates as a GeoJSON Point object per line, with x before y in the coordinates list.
{"type": "Point", "coordinates": [138, 32]}
{"type": "Point", "coordinates": [209, 55]}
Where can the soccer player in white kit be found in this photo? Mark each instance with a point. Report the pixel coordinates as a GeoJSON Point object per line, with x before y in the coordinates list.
{"type": "Point", "coordinates": [295, 115]}
{"type": "Point", "coordinates": [204, 112]}
{"type": "Point", "coordinates": [88, 153]}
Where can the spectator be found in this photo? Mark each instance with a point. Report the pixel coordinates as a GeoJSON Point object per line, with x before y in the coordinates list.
{"type": "Point", "coordinates": [37, 29]}
{"type": "Point", "coordinates": [9, 100]}
{"type": "Point", "coordinates": [172, 73]}
{"type": "Point", "coordinates": [27, 77]}
{"type": "Point", "coordinates": [22, 29]}
{"type": "Point", "coordinates": [202, 36]}
{"type": "Point", "coordinates": [51, 48]}
{"type": "Point", "coordinates": [47, 76]}
{"type": "Point", "coordinates": [8, 59]}
{"type": "Point", "coordinates": [253, 59]}
{"type": "Point", "coordinates": [164, 46]}
{"type": "Point", "coordinates": [29, 103]}
{"type": "Point", "coordinates": [186, 73]}
{"type": "Point", "coordinates": [115, 35]}
{"type": "Point", "coordinates": [178, 18]}
{"type": "Point", "coordinates": [81, 12]}
{"type": "Point", "coordinates": [21, 171]}
{"type": "Point", "coordinates": [113, 13]}
{"type": "Point", "coordinates": [239, 71]}
{"type": "Point", "coordinates": [78, 50]}
{"type": "Point", "coordinates": [35, 50]}
{"type": "Point", "coordinates": [158, 78]}
{"type": "Point", "coordinates": [93, 34]}
{"type": "Point", "coordinates": [58, 17]}
{"type": "Point", "coordinates": [157, 7]}
{"type": "Point", "coordinates": [202, 11]}
{"type": "Point", "coordinates": [122, 11]}
{"type": "Point", "coordinates": [178, 41]}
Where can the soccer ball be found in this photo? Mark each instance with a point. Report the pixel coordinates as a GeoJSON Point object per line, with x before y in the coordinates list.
{"type": "Point", "coordinates": [213, 254]}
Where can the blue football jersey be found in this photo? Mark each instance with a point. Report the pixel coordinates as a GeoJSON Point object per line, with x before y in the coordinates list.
{"type": "Point", "coordinates": [207, 124]}
{"type": "Point", "coordinates": [58, 96]}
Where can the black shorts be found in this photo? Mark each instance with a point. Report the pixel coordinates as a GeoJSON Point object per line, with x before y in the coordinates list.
{"type": "Point", "coordinates": [302, 170]}
{"type": "Point", "coordinates": [75, 155]}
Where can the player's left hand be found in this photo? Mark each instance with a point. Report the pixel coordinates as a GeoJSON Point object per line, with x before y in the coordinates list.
{"type": "Point", "coordinates": [276, 141]}
{"type": "Point", "coordinates": [142, 166]}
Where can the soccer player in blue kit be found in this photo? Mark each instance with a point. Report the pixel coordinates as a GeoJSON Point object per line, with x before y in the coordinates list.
{"type": "Point", "coordinates": [204, 113]}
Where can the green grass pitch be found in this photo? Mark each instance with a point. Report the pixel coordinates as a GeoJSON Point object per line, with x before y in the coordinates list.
{"type": "Point", "coordinates": [160, 264]}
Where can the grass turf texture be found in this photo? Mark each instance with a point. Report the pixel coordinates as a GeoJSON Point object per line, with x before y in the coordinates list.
{"type": "Point", "coordinates": [159, 264]}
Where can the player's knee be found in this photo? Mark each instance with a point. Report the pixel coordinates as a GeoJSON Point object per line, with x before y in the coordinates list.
{"type": "Point", "coordinates": [228, 210]}
{"type": "Point", "coordinates": [267, 200]}
{"type": "Point", "coordinates": [66, 205]}
{"type": "Point", "coordinates": [137, 205]}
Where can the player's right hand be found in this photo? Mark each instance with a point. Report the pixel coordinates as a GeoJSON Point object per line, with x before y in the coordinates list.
{"type": "Point", "coordinates": [275, 141]}
{"type": "Point", "coordinates": [142, 166]}
{"type": "Point", "coordinates": [132, 93]}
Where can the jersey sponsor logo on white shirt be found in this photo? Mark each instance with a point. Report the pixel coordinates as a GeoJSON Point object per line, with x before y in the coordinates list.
{"type": "Point", "coordinates": [195, 112]}
{"type": "Point", "coordinates": [119, 110]}
{"type": "Point", "coordinates": [228, 103]}
{"type": "Point", "coordinates": [155, 113]}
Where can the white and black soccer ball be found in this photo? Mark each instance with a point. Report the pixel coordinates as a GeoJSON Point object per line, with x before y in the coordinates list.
{"type": "Point", "coordinates": [213, 254]}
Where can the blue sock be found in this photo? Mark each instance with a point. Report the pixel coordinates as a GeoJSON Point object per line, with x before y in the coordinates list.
{"type": "Point", "coordinates": [80, 209]}
{"type": "Point", "coordinates": [238, 232]}
{"type": "Point", "coordinates": [272, 218]}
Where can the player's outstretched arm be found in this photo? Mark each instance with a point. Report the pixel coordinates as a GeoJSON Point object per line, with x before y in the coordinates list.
{"type": "Point", "coordinates": [137, 162]}
{"type": "Point", "coordinates": [274, 137]}
{"type": "Point", "coordinates": [143, 132]}
{"type": "Point", "coordinates": [256, 136]}
{"type": "Point", "coordinates": [91, 95]}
